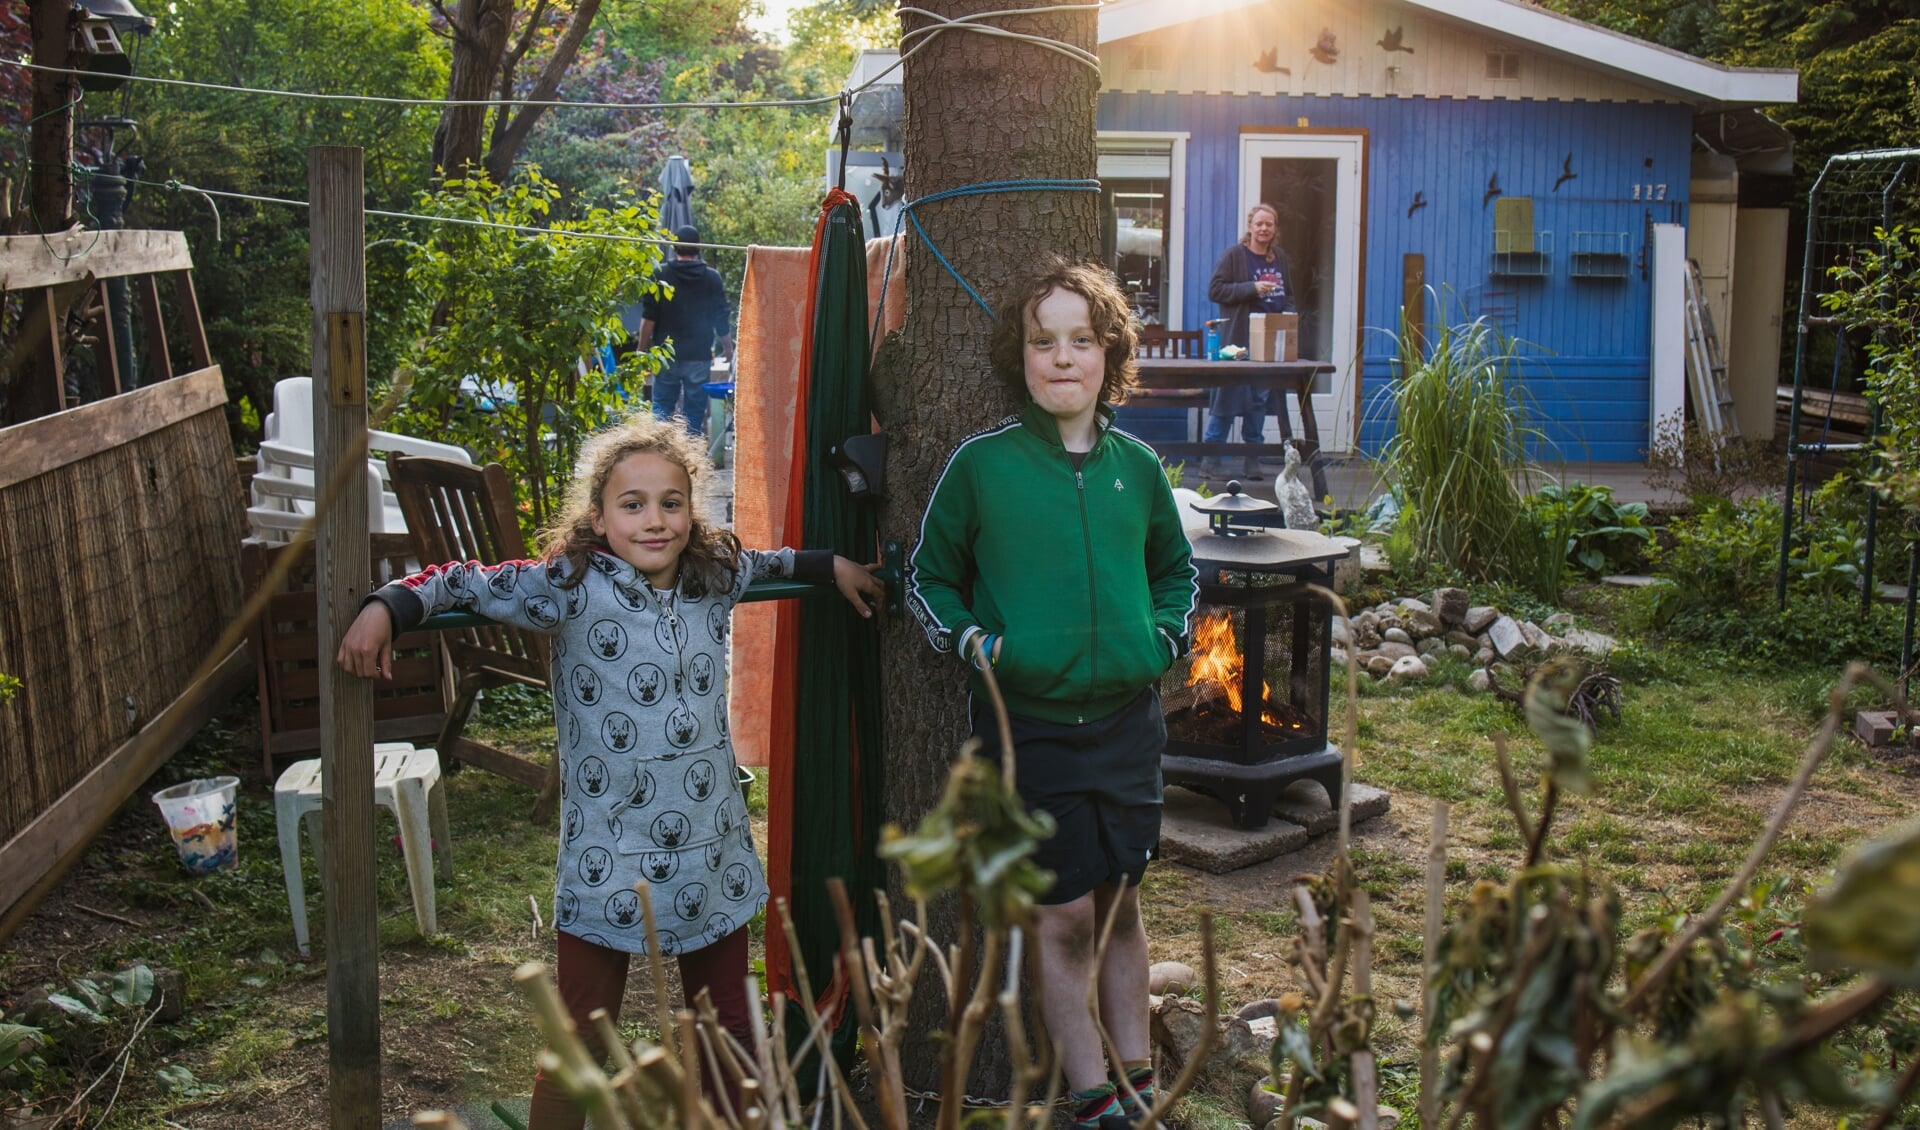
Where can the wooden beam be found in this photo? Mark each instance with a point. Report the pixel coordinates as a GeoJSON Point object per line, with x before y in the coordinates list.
{"type": "Point", "coordinates": [51, 442]}
{"type": "Point", "coordinates": [39, 378]}
{"type": "Point", "coordinates": [498, 762]}
{"type": "Point", "coordinates": [159, 361]}
{"type": "Point", "coordinates": [112, 381]}
{"type": "Point", "coordinates": [190, 321]}
{"type": "Point", "coordinates": [34, 861]}
{"type": "Point", "coordinates": [335, 186]}
{"type": "Point", "coordinates": [28, 260]}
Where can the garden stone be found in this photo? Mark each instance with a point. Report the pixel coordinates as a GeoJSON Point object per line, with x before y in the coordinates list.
{"type": "Point", "coordinates": [1255, 1010]}
{"type": "Point", "coordinates": [1169, 976]}
{"type": "Point", "coordinates": [1397, 635]}
{"type": "Point", "coordinates": [1378, 666]}
{"type": "Point", "coordinates": [1558, 622]}
{"type": "Point", "coordinates": [1536, 639]}
{"type": "Point", "coordinates": [1468, 639]}
{"type": "Point", "coordinates": [1342, 631]}
{"type": "Point", "coordinates": [1424, 624]}
{"type": "Point", "coordinates": [1339, 657]}
{"type": "Point", "coordinates": [1506, 637]}
{"type": "Point", "coordinates": [1409, 669]}
{"type": "Point", "coordinates": [1263, 1105]}
{"type": "Point", "coordinates": [1409, 604]}
{"type": "Point", "coordinates": [1387, 1116]}
{"type": "Point", "coordinates": [1479, 618]}
{"type": "Point", "coordinates": [169, 995]}
{"type": "Point", "coordinates": [1450, 605]}
{"type": "Point", "coordinates": [1459, 651]}
{"type": "Point", "coordinates": [1479, 680]}
{"type": "Point", "coordinates": [1397, 651]}
{"type": "Point", "coordinates": [1430, 645]}
{"type": "Point", "coordinates": [1875, 728]}
{"type": "Point", "coordinates": [1177, 1027]}
{"type": "Point", "coordinates": [1588, 642]}
{"type": "Point", "coordinates": [1628, 580]}
{"type": "Point", "coordinates": [1483, 656]}
{"type": "Point", "coordinates": [1348, 572]}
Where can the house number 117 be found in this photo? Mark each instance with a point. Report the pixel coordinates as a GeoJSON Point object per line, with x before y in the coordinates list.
{"type": "Point", "coordinates": [1649, 192]}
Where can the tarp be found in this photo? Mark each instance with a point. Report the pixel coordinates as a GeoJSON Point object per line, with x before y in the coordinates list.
{"type": "Point", "coordinates": [826, 751]}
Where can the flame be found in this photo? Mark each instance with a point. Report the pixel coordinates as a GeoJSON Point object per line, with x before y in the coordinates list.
{"type": "Point", "coordinates": [1217, 665]}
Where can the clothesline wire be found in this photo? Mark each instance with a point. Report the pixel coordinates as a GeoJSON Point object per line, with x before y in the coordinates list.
{"type": "Point", "coordinates": [930, 32]}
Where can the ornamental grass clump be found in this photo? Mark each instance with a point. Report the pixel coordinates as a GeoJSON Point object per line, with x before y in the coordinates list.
{"type": "Point", "coordinates": [1458, 456]}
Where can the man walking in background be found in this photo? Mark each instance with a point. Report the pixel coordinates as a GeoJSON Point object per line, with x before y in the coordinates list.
{"type": "Point", "coordinates": [693, 319]}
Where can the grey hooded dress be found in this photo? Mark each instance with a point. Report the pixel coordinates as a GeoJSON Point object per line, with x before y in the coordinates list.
{"type": "Point", "coordinates": [647, 774]}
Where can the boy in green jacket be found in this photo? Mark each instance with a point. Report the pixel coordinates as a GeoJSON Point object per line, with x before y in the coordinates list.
{"type": "Point", "coordinates": [1052, 551]}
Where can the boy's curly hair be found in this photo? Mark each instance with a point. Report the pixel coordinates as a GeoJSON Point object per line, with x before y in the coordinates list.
{"type": "Point", "coordinates": [707, 564]}
{"type": "Point", "coordinates": [1112, 319]}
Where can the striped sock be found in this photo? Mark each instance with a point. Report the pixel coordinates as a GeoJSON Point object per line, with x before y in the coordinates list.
{"type": "Point", "coordinates": [1140, 1075]}
{"type": "Point", "coordinates": [1092, 1105]}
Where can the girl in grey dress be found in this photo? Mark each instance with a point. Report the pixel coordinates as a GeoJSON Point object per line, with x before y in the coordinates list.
{"type": "Point", "coordinates": [636, 592]}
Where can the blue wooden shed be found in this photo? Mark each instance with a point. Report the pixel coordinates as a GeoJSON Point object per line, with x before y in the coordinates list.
{"type": "Point", "coordinates": [1546, 174]}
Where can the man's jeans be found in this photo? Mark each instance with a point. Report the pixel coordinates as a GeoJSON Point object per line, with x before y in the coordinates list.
{"type": "Point", "coordinates": [683, 380]}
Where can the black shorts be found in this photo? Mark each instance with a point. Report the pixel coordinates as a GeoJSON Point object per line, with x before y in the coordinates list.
{"type": "Point", "coordinates": [1100, 781]}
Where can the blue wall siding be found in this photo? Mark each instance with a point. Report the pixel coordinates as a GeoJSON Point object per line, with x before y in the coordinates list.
{"type": "Point", "coordinates": [1585, 342]}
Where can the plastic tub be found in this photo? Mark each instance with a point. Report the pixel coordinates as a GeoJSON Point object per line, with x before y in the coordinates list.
{"type": "Point", "coordinates": [199, 814]}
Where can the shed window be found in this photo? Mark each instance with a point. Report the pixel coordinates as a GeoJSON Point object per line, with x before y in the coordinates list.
{"type": "Point", "coordinates": [1503, 64]}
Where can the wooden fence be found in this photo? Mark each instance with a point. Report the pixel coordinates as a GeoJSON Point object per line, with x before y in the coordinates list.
{"type": "Point", "coordinates": [120, 528]}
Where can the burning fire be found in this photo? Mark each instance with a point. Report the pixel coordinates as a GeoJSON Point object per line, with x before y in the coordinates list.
{"type": "Point", "coordinates": [1217, 666]}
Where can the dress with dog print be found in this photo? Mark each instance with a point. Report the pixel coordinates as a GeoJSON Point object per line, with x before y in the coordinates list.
{"type": "Point", "coordinates": [647, 776]}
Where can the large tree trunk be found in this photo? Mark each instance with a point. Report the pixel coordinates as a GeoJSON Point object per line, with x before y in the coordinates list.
{"type": "Point", "coordinates": [479, 30]}
{"type": "Point", "coordinates": [979, 108]}
{"type": "Point", "coordinates": [51, 142]}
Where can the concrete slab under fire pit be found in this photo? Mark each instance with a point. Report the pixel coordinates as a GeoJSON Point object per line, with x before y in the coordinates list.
{"type": "Point", "coordinates": [1197, 831]}
{"type": "Point", "coordinates": [1305, 803]}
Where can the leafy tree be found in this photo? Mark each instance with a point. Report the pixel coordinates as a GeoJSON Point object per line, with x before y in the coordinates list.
{"type": "Point", "coordinates": [500, 371]}
{"type": "Point", "coordinates": [492, 40]}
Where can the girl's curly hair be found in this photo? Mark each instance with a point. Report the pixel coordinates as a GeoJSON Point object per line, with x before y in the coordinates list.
{"type": "Point", "coordinates": [707, 564]}
{"type": "Point", "coordinates": [1111, 315]}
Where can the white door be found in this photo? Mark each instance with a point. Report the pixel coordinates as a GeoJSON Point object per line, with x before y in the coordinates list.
{"type": "Point", "coordinates": [1313, 180]}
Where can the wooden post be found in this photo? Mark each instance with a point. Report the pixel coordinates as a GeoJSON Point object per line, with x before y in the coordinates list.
{"type": "Point", "coordinates": [335, 175]}
{"type": "Point", "coordinates": [50, 144]}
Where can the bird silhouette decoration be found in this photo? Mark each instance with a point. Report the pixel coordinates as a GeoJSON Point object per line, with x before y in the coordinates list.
{"type": "Point", "coordinates": [1566, 172]}
{"type": "Point", "coordinates": [1493, 190]}
{"type": "Point", "coordinates": [1391, 41]}
{"type": "Point", "coordinates": [1326, 51]}
{"type": "Point", "coordinates": [1269, 63]}
{"type": "Point", "coordinates": [1419, 202]}
{"type": "Point", "coordinates": [893, 186]}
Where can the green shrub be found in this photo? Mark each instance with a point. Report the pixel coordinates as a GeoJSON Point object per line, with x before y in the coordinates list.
{"type": "Point", "coordinates": [1601, 535]}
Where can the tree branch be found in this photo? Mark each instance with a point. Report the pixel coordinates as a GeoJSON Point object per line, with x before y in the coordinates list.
{"type": "Point", "coordinates": [506, 145]}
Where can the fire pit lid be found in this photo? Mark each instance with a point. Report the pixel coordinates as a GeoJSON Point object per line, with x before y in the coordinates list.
{"type": "Point", "coordinates": [1233, 503]}
{"type": "Point", "coordinates": [1273, 551]}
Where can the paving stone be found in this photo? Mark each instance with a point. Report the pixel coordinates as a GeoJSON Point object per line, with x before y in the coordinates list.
{"type": "Point", "coordinates": [1629, 580]}
{"type": "Point", "coordinates": [1305, 803]}
{"type": "Point", "coordinates": [1197, 831]}
{"type": "Point", "coordinates": [1480, 617]}
{"type": "Point", "coordinates": [1506, 637]}
{"type": "Point", "coordinates": [1875, 727]}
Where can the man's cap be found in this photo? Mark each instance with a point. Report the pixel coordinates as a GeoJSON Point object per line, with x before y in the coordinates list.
{"type": "Point", "coordinates": [686, 233]}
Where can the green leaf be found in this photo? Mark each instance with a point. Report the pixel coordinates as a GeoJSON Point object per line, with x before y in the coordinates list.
{"type": "Point", "coordinates": [17, 1040]}
{"type": "Point", "coordinates": [76, 1009]}
{"type": "Point", "coordinates": [1567, 738]}
{"type": "Point", "coordinates": [1293, 1046]}
{"type": "Point", "coordinates": [133, 986]}
{"type": "Point", "coordinates": [1870, 917]}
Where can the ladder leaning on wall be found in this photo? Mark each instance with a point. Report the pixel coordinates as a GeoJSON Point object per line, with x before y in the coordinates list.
{"type": "Point", "coordinates": [1707, 367]}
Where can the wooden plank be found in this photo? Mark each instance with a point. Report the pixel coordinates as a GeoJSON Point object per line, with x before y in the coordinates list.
{"type": "Point", "coordinates": [29, 261]}
{"type": "Point", "coordinates": [112, 382]}
{"type": "Point", "coordinates": [39, 382]}
{"type": "Point", "coordinates": [499, 762]}
{"type": "Point", "coordinates": [336, 181]}
{"type": "Point", "coordinates": [38, 446]}
{"type": "Point", "coordinates": [35, 860]}
{"type": "Point", "coordinates": [159, 361]}
{"type": "Point", "coordinates": [1413, 301]}
{"type": "Point", "coordinates": [190, 321]}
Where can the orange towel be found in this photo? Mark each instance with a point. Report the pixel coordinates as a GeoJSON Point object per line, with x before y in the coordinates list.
{"type": "Point", "coordinates": [773, 308]}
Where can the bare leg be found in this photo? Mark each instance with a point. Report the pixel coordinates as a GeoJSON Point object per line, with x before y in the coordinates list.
{"type": "Point", "coordinates": [1067, 937]}
{"type": "Point", "coordinates": [1123, 973]}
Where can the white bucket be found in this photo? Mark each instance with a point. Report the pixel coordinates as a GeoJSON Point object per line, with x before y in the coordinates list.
{"type": "Point", "coordinates": [200, 816]}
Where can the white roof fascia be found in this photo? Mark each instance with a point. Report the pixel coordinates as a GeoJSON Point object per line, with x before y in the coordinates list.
{"type": "Point", "coordinates": [1124, 18]}
{"type": "Point", "coordinates": [1551, 31]}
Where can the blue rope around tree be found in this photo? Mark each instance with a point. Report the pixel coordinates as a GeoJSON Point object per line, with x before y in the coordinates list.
{"type": "Point", "coordinates": [984, 188]}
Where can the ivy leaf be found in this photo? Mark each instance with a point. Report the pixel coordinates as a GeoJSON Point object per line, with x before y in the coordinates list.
{"type": "Point", "coordinates": [1870, 917]}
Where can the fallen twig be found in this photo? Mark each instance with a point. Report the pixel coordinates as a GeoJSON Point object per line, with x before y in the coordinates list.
{"type": "Point", "coordinates": [110, 916]}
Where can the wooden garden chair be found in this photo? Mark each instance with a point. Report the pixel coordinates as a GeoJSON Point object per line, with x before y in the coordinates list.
{"type": "Point", "coordinates": [460, 512]}
{"type": "Point", "coordinates": [285, 636]}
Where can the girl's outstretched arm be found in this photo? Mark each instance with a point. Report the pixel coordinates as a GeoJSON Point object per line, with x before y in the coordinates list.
{"type": "Point", "coordinates": [858, 584]}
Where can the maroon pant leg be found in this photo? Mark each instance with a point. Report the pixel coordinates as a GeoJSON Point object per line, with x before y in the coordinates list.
{"type": "Point", "coordinates": [590, 977]}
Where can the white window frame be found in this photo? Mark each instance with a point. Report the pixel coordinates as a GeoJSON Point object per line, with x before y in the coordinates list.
{"type": "Point", "coordinates": [1175, 315]}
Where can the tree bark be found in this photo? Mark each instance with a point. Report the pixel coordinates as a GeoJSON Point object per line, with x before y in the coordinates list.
{"type": "Point", "coordinates": [479, 30]}
{"type": "Point", "coordinates": [51, 142]}
{"type": "Point", "coordinates": [507, 142]}
{"type": "Point", "coordinates": [978, 108]}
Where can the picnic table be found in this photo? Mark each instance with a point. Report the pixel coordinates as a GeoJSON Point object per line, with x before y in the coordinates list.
{"type": "Point", "coordinates": [1183, 380]}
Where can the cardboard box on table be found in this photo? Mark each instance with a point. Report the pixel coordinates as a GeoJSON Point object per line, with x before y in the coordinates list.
{"type": "Point", "coordinates": [1273, 337]}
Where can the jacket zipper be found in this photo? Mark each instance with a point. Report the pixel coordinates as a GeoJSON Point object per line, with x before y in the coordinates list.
{"type": "Point", "coordinates": [1093, 598]}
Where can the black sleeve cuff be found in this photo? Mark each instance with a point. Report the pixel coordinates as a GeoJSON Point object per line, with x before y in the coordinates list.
{"type": "Point", "coordinates": [405, 608]}
{"type": "Point", "coordinates": [814, 566]}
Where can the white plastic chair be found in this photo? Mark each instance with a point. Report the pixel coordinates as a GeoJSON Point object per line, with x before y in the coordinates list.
{"type": "Point", "coordinates": [407, 782]}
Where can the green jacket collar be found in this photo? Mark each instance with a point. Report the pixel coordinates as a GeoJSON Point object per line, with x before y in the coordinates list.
{"type": "Point", "coordinates": [1041, 423]}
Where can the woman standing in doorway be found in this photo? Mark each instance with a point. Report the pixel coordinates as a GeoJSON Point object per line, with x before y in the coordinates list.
{"type": "Point", "coordinates": [1252, 277]}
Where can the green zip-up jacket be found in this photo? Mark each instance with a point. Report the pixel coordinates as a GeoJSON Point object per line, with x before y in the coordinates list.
{"type": "Point", "coordinates": [1086, 575]}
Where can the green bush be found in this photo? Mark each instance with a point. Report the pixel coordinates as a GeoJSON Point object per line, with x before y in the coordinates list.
{"type": "Point", "coordinates": [1601, 535]}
